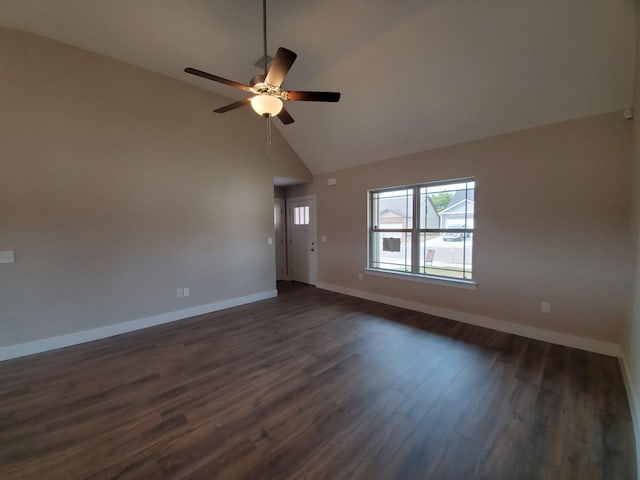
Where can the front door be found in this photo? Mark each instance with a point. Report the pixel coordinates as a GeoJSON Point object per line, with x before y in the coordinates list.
{"type": "Point", "coordinates": [301, 219]}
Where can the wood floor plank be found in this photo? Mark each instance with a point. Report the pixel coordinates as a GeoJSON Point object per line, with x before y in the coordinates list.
{"type": "Point", "coordinates": [314, 384]}
{"type": "Point", "coordinates": [424, 445]}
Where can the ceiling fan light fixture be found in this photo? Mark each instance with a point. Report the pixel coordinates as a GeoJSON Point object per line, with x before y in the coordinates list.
{"type": "Point", "coordinates": [266, 105]}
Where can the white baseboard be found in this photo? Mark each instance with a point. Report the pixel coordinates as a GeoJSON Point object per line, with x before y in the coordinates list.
{"type": "Point", "coordinates": [634, 406]}
{"type": "Point", "coordinates": [583, 343]}
{"type": "Point", "coordinates": [52, 343]}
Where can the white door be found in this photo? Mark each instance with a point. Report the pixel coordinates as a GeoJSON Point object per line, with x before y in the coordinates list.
{"type": "Point", "coordinates": [302, 251]}
{"type": "Point", "coordinates": [279, 229]}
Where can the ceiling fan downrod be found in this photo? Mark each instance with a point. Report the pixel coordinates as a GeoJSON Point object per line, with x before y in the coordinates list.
{"type": "Point", "coordinates": [264, 34]}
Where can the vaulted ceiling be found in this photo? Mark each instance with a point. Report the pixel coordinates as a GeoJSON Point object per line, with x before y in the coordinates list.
{"type": "Point", "coordinates": [414, 74]}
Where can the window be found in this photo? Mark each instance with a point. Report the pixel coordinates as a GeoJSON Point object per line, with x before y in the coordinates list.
{"type": "Point", "coordinates": [424, 230]}
{"type": "Point", "coordinates": [301, 215]}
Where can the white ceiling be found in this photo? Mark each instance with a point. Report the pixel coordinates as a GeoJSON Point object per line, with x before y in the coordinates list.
{"type": "Point", "coordinates": [414, 74]}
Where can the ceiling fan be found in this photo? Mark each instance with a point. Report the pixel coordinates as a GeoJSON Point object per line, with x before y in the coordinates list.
{"type": "Point", "coordinates": [269, 97]}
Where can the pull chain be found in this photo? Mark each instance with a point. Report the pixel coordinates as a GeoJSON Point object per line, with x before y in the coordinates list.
{"type": "Point", "coordinates": [268, 136]}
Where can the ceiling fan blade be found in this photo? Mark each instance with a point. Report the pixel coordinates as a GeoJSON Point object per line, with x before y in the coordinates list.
{"type": "Point", "coordinates": [233, 106]}
{"type": "Point", "coordinates": [299, 96]}
{"type": "Point", "coordinates": [285, 117]}
{"type": "Point", "coordinates": [215, 78]}
{"type": "Point", "coordinates": [280, 66]}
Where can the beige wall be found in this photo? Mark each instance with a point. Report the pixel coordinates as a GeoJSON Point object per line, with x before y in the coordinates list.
{"type": "Point", "coordinates": [552, 217]}
{"type": "Point", "coordinates": [630, 339]}
{"type": "Point", "coordinates": [119, 186]}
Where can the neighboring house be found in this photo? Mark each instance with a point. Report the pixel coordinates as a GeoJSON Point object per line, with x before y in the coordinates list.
{"type": "Point", "coordinates": [433, 218]}
{"type": "Point", "coordinates": [460, 210]}
{"type": "Point", "coordinates": [392, 219]}
{"type": "Point", "coordinates": [393, 215]}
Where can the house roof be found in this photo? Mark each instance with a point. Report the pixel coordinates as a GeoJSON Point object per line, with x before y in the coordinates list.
{"type": "Point", "coordinates": [393, 212]}
{"type": "Point", "coordinates": [460, 195]}
{"type": "Point", "coordinates": [414, 74]}
{"type": "Point", "coordinates": [396, 205]}
{"type": "Point", "coordinates": [454, 206]}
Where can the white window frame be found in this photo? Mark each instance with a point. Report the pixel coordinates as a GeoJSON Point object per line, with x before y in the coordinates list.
{"type": "Point", "coordinates": [415, 232]}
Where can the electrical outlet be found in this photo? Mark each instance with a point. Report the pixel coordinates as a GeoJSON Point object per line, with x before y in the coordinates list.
{"type": "Point", "coordinates": [545, 307]}
{"type": "Point", "coordinates": [360, 276]}
{"type": "Point", "coordinates": [178, 292]}
{"type": "Point", "coordinates": [186, 291]}
{"type": "Point", "coordinates": [7, 257]}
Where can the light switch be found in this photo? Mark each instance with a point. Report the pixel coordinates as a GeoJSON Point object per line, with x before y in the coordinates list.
{"type": "Point", "coordinates": [269, 241]}
{"type": "Point", "coordinates": [323, 238]}
{"type": "Point", "coordinates": [7, 257]}
{"type": "Point", "coordinates": [186, 291]}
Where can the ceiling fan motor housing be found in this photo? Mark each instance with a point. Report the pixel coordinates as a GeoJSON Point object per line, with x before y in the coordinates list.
{"type": "Point", "coordinates": [257, 79]}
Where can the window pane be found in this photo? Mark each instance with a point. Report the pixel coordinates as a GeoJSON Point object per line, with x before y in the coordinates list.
{"type": "Point", "coordinates": [446, 258]}
{"type": "Point", "coordinates": [301, 215]}
{"type": "Point", "coordinates": [391, 251]}
{"type": "Point", "coordinates": [393, 209]}
{"type": "Point", "coordinates": [447, 206]}
{"type": "Point", "coordinates": [276, 217]}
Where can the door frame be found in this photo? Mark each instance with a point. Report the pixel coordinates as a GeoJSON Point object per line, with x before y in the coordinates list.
{"type": "Point", "coordinates": [313, 260]}
{"type": "Point", "coordinates": [282, 249]}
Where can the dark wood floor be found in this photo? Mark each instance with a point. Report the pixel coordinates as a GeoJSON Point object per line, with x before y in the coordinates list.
{"type": "Point", "coordinates": [315, 385]}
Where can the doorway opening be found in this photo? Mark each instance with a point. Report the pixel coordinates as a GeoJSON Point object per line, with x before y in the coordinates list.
{"type": "Point", "coordinates": [295, 230]}
{"type": "Point", "coordinates": [280, 237]}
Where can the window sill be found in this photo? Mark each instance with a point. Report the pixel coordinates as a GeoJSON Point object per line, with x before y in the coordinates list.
{"type": "Point", "coordinates": [441, 281]}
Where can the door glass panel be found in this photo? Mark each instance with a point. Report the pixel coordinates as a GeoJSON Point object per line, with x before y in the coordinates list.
{"type": "Point", "coordinates": [301, 215]}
